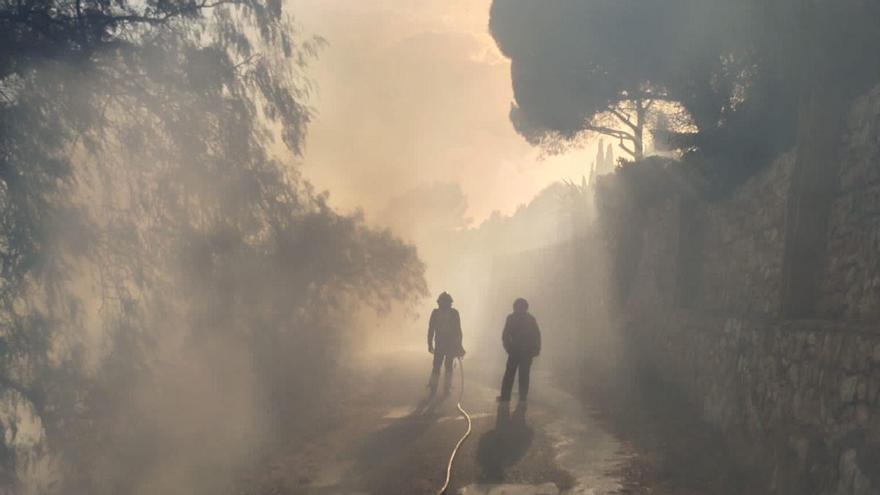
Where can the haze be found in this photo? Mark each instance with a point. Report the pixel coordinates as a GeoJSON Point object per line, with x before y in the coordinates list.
{"type": "Point", "coordinates": [412, 93]}
{"type": "Point", "coordinates": [470, 247]}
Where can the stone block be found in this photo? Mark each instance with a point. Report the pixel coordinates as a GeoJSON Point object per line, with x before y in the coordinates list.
{"type": "Point", "coordinates": [848, 389]}
{"type": "Point", "coordinates": [862, 414]}
{"type": "Point", "coordinates": [873, 386]}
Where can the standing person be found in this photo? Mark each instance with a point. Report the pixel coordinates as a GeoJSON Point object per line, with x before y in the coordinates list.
{"type": "Point", "coordinates": [444, 340]}
{"type": "Point", "coordinates": [522, 341]}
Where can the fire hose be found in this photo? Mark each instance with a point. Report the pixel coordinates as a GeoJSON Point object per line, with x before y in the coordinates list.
{"type": "Point", "coordinates": [461, 440]}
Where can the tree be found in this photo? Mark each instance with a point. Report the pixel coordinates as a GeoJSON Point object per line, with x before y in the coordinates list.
{"type": "Point", "coordinates": [148, 228]}
{"type": "Point", "coordinates": [735, 68]}
{"type": "Point", "coordinates": [572, 71]}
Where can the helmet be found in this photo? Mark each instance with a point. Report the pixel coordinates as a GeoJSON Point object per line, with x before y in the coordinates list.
{"type": "Point", "coordinates": [444, 298]}
{"type": "Point", "coordinates": [520, 305]}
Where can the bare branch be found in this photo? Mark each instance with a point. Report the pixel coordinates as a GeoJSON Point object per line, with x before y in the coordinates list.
{"type": "Point", "coordinates": [610, 131]}
{"type": "Point", "coordinates": [623, 118]}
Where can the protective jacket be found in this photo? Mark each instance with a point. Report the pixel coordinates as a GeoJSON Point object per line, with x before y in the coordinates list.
{"type": "Point", "coordinates": [444, 331]}
{"type": "Point", "coordinates": [521, 336]}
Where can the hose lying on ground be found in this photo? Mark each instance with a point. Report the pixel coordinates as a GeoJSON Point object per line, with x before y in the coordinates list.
{"type": "Point", "coordinates": [463, 437]}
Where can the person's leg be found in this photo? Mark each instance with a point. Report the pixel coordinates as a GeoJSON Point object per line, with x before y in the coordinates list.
{"type": "Point", "coordinates": [435, 371]}
{"type": "Point", "coordinates": [525, 366]}
{"type": "Point", "coordinates": [447, 380]}
{"type": "Point", "coordinates": [438, 362]}
{"type": "Point", "coordinates": [507, 381]}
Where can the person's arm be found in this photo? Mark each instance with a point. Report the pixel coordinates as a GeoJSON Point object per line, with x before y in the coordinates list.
{"type": "Point", "coordinates": [505, 335]}
{"type": "Point", "coordinates": [431, 332]}
{"type": "Point", "coordinates": [536, 337]}
{"type": "Point", "coordinates": [458, 333]}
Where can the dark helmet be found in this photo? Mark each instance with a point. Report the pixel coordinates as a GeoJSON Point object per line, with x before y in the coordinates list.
{"type": "Point", "coordinates": [444, 298]}
{"type": "Point", "coordinates": [520, 305]}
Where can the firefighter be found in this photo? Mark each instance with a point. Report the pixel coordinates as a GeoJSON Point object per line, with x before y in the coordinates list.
{"type": "Point", "coordinates": [522, 341]}
{"type": "Point", "coordinates": [444, 340]}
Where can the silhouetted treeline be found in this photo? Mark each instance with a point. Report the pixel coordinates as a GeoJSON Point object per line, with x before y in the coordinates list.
{"type": "Point", "coordinates": [723, 82]}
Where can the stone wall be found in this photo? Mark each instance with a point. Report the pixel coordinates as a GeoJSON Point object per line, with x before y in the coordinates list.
{"type": "Point", "coordinates": [851, 286]}
{"type": "Point", "coordinates": [800, 398]}
{"type": "Point", "coordinates": [742, 246]}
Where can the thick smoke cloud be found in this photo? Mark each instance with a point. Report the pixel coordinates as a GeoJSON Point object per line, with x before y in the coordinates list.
{"type": "Point", "coordinates": [415, 93]}
{"type": "Point", "coordinates": [427, 213]}
{"type": "Point", "coordinates": [174, 300]}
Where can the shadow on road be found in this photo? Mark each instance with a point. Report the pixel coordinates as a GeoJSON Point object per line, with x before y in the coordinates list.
{"type": "Point", "coordinates": [402, 431]}
{"type": "Point", "coordinates": [507, 443]}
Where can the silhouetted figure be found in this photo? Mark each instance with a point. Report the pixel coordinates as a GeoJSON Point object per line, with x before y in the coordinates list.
{"type": "Point", "coordinates": [522, 341]}
{"type": "Point", "coordinates": [444, 340]}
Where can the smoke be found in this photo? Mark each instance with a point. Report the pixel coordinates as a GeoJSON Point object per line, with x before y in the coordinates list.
{"type": "Point", "coordinates": [417, 94]}
{"type": "Point", "coordinates": [175, 300]}
{"type": "Point", "coordinates": [427, 213]}
{"type": "Point", "coordinates": [548, 251]}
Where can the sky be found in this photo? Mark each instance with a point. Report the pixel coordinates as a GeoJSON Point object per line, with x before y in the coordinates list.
{"type": "Point", "coordinates": [415, 93]}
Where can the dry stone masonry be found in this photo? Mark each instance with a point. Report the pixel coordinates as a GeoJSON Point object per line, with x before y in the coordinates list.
{"type": "Point", "coordinates": [798, 398]}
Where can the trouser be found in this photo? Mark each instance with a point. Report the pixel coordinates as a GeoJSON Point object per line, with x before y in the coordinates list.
{"type": "Point", "coordinates": [514, 363]}
{"type": "Point", "coordinates": [439, 358]}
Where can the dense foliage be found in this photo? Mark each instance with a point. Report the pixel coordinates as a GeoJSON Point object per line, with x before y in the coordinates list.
{"type": "Point", "coordinates": [168, 282]}
{"type": "Point", "coordinates": [739, 70]}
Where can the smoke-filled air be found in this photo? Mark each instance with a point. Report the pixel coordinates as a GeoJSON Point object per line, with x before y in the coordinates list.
{"type": "Point", "coordinates": [462, 247]}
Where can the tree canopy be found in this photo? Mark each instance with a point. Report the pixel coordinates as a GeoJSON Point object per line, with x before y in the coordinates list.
{"type": "Point", "coordinates": [737, 69]}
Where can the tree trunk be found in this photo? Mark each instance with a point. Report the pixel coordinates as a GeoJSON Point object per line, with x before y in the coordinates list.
{"type": "Point", "coordinates": [639, 131]}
